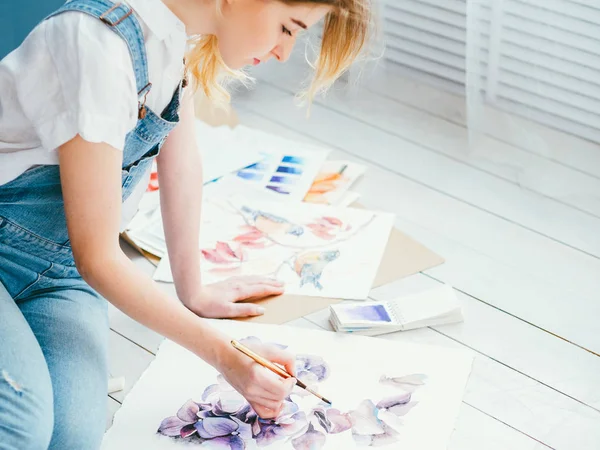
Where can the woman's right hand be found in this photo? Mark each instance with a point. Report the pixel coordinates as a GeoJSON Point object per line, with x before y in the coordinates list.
{"type": "Point", "coordinates": [263, 389]}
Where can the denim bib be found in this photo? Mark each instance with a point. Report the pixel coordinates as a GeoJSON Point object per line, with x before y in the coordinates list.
{"type": "Point", "coordinates": [32, 215]}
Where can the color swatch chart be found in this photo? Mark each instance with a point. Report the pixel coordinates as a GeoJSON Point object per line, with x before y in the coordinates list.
{"type": "Point", "coordinates": [286, 174]}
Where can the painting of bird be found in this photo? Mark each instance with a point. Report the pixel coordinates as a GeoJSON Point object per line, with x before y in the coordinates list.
{"type": "Point", "coordinates": [309, 266]}
{"type": "Point", "coordinates": [270, 224]}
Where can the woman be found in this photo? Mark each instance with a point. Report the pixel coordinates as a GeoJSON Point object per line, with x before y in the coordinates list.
{"type": "Point", "coordinates": [86, 103]}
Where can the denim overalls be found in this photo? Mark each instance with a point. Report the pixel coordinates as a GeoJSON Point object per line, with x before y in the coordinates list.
{"type": "Point", "coordinates": [53, 326]}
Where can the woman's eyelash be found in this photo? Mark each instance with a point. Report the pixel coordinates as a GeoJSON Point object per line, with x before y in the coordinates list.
{"type": "Point", "coordinates": [285, 30]}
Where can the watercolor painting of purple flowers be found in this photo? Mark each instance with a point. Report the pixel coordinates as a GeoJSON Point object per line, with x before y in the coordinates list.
{"type": "Point", "coordinates": [222, 419]}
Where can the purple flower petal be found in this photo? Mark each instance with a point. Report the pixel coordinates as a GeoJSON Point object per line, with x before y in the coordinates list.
{"type": "Point", "coordinates": [363, 440]}
{"type": "Point", "coordinates": [314, 365]}
{"type": "Point", "coordinates": [244, 430]}
{"type": "Point", "coordinates": [209, 391]}
{"type": "Point", "coordinates": [307, 377]}
{"type": "Point", "coordinates": [229, 403]}
{"type": "Point", "coordinates": [212, 427]}
{"type": "Point", "coordinates": [249, 340]}
{"type": "Point", "coordinates": [299, 425]}
{"type": "Point", "coordinates": [302, 363]}
{"type": "Point", "coordinates": [394, 400]}
{"type": "Point", "coordinates": [289, 409]}
{"type": "Point", "coordinates": [237, 443]}
{"type": "Point", "coordinates": [204, 414]}
{"type": "Point", "coordinates": [277, 344]}
{"type": "Point", "coordinates": [322, 420]}
{"type": "Point", "coordinates": [311, 440]}
{"type": "Point", "coordinates": [267, 436]}
{"type": "Point", "coordinates": [246, 413]}
{"type": "Point", "coordinates": [402, 410]}
{"type": "Point", "coordinates": [223, 384]}
{"type": "Point", "coordinates": [225, 443]}
{"type": "Point", "coordinates": [171, 426]}
{"type": "Point", "coordinates": [364, 419]}
{"type": "Point", "coordinates": [188, 411]}
{"type": "Point", "coordinates": [321, 371]}
{"type": "Point", "coordinates": [339, 421]}
{"type": "Point", "coordinates": [187, 431]}
{"type": "Point", "coordinates": [389, 437]}
{"type": "Point", "coordinates": [256, 427]}
{"type": "Point", "coordinates": [409, 383]}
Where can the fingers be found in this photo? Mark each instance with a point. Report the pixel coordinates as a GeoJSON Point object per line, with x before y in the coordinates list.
{"type": "Point", "coordinates": [280, 356]}
{"type": "Point", "coordinates": [266, 384]}
{"type": "Point", "coordinates": [252, 279]}
{"type": "Point", "coordinates": [245, 310]}
{"type": "Point", "coordinates": [255, 291]}
{"type": "Point", "coordinates": [265, 413]}
{"type": "Point", "coordinates": [267, 403]}
{"type": "Point", "coordinates": [270, 408]}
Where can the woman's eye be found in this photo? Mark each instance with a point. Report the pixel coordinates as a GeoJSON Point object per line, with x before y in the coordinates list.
{"type": "Point", "coordinates": [285, 30]}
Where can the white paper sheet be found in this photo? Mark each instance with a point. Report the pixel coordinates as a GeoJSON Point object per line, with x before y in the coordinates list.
{"type": "Point", "coordinates": [222, 152]}
{"type": "Point", "coordinates": [395, 394]}
{"type": "Point", "coordinates": [316, 250]}
{"type": "Point", "coordinates": [347, 199]}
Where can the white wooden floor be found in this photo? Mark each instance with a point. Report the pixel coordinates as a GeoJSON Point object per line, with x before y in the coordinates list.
{"type": "Point", "coordinates": [525, 261]}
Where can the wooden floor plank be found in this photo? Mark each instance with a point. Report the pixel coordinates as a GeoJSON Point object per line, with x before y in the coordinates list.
{"type": "Point", "coordinates": [128, 360]}
{"type": "Point", "coordinates": [478, 431]}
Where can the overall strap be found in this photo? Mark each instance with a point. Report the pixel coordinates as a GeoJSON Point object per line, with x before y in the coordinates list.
{"type": "Point", "coordinates": [119, 18]}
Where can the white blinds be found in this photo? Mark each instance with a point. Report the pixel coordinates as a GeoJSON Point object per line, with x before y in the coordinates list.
{"type": "Point", "coordinates": [536, 58]}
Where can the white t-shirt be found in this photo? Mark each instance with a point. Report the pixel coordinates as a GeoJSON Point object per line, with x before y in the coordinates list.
{"type": "Point", "coordinates": [74, 75]}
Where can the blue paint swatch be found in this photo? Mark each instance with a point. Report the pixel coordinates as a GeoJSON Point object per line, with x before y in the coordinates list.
{"type": "Point", "coordinates": [278, 189]}
{"type": "Point", "coordinates": [254, 176]}
{"type": "Point", "coordinates": [370, 313]}
{"type": "Point", "coordinates": [283, 180]}
{"type": "Point", "coordinates": [292, 170]}
{"type": "Point", "coordinates": [259, 166]}
{"type": "Point", "coordinates": [293, 160]}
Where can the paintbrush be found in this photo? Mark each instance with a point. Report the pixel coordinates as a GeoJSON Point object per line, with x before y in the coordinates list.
{"type": "Point", "coordinates": [274, 368]}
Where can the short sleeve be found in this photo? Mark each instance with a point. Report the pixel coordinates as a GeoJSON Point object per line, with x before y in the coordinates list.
{"type": "Point", "coordinates": [87, 85]}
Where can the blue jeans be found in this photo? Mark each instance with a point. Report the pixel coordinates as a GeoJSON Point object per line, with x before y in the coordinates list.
{"type": "Point", "coordinates": [53, 356]}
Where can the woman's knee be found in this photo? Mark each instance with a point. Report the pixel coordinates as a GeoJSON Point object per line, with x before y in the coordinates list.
{"type": "Point", "coordinates": [26, 412]}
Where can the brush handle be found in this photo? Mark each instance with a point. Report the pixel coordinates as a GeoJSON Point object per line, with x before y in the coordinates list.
{"type": "Point", "coordinates": [265, 363]}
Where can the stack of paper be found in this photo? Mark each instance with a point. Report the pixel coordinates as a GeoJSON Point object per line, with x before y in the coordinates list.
{"type": "Point", "coordinates": [276, 208]}
{"type": "Point", "coordinates": [432, 307]}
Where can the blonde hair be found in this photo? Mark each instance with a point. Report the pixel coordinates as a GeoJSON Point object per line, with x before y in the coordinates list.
{"type": "Point", "coordinates": [345, 31]}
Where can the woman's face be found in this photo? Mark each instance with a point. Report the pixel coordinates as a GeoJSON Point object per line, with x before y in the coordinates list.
{"type": "Point", "coordinates": [252, 31]}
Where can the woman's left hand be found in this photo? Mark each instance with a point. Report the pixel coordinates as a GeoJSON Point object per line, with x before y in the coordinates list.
{"type": "Point", "coordinates": [220, 300]}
